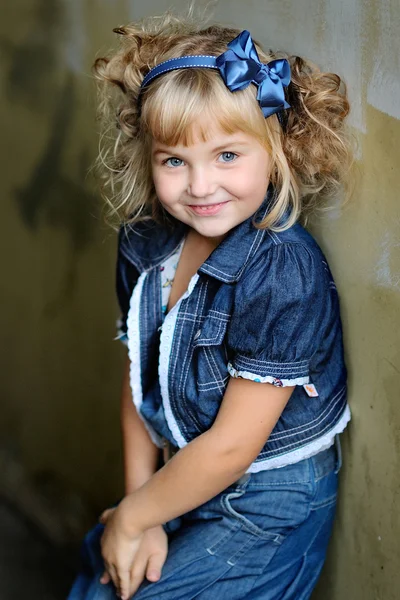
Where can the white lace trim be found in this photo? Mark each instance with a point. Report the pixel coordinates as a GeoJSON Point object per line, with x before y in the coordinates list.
{"type": "Point", "coordinates": [167, 336]}
{"type": "Point", "coordinates": [134, 355]}
{"type": "Point", "coordinates": [274, 380]}
{"type": "Point", "coordinates": [320, 444]}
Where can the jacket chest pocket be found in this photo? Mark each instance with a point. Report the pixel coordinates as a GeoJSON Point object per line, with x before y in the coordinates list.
{"type": "Point", "coordinates": [213, 329]}
{"type": "Point", "coordinates": [210, 355]}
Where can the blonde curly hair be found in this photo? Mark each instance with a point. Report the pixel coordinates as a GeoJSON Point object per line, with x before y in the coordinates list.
{"type": "Point", "coordinates": [310, 154]}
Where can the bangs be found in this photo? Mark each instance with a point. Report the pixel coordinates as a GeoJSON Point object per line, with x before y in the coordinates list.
{"type": "Point", "coordinates": [184, 106]}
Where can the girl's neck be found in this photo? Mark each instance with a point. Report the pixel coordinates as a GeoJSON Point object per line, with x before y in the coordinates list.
{"type": "Point", "coordinates": [206, 243]}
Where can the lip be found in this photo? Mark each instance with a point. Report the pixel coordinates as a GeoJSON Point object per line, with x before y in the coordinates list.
{"type": "Point", "coordinates": [209, 209]}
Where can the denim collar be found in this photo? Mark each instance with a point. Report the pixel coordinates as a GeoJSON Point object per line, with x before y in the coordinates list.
{"type": "Point", "coordinates": [148, 244]}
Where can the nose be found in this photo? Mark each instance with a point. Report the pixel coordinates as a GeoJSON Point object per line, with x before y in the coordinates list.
{"type": "Point", "coordinates": [201, 182]}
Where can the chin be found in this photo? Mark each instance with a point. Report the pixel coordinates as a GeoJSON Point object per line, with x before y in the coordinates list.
{"type": "Point", "coordinates": [212, 230]}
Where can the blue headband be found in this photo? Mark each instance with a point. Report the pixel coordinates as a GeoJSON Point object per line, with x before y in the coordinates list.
{"type": "Point", "coordinates": [239, 67]}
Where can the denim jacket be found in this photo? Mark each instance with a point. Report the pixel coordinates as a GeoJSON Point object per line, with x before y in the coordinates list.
{"type": "Point", "coordinates": [263, 306]}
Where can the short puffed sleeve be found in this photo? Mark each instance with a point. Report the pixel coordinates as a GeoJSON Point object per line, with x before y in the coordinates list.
{"type": "Point", "coordinates": [126, 279]}
{"type": "Point", "coordinates": [285, 304]}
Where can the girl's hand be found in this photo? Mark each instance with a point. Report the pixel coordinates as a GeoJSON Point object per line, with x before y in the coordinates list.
{"type": "Point", "coordinates": [130, 558]}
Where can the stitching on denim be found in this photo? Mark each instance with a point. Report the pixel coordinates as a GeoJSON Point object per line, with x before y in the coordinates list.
{"type": "Point", "coordinates": [145, 320]}
{"type": "Point", "coordinates": [279, 483]}
{"type": "Point", "coordinates": [317, 421]}
{"type": "Point", "coordinates": [276, 237]}
{"type": "Point", "coordinates": [252, 360]}
{"type": "Point", "coordinates": [218, 312]}
{"type": "Point", "coordinates": [205, 385]}
{"type": "Point", "coordinates": [157, 286]}
{"type": "Point", "coordinates": [239, 553]}
{"type": "Point", "coordinates": [241, 357]}
{"type": "Point", "coordinates": [258, 238]}
{"type": "Point", "coordinates": [190, 319]}
{"type": "Point", "coordinates": [140, 266]}
{"type": "Point", "coordinates": [272, 238]}
{"type": "Point", "coordinates": [186, 316]}
{"type": "Point", "coordinates": [216, 318]}
{"type": "Point", "coordinates": [172, 405]}
{"type": "Point", "coordinates": [269, 370]}
{"type": "Point", "coordinates": [185, 369]}
{"type": "Point", "coordinates": [210, 339]}
{"type": "Point", "coordinates": [206, 352]}
{"type": "Point", "coordinates": [305, 451]}
{"type": "Point", "coordinates": [315, 435]}
{"type": "Point", "coordinates": [216, 367]}
{"type": "Point", "coordinates": [181, 387]}
{"type": "Point", "coordinates": [263, 373]}
{"type": "Point", "coordinates": [211, 388]}
{"type": "Point", "coordinates": [234, 526]}
{"type": "Point", "coordinates": [202, 341]}
{"type": "Point", "coordinates": [246, 523]}
{"type": "Point", "coordinates": [207, 267]}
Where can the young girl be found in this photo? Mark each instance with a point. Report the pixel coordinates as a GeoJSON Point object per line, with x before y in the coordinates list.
{"type": "Point", "coordinates": [230, 315]}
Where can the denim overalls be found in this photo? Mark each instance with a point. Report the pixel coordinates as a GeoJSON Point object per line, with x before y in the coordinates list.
{"type": "Point", "coordinates": [263, 306]}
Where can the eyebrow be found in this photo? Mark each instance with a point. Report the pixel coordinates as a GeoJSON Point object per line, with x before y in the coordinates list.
{"type": "Point", "coordinates": [229, 143]}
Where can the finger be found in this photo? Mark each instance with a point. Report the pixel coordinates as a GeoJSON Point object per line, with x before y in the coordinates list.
{"type": "Point", "coordinates": [114, 576]}
{"type": "Point", "coordinates": [105, 578]}
{"type": "Point", "coordinates": [124, 584]}
{"type": "Point", "coordinates": [106, 515]}
{"type": "Point", "coordinates": [137, 576]}
{"type": "Point", "coordinates": [154, 566]}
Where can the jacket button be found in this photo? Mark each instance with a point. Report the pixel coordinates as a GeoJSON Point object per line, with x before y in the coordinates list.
{"type": "Point", "coordinates": [197, 334]}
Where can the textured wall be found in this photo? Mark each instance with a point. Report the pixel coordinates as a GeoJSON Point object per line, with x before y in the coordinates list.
{"type": "Point", "coordinates": [362, 241]}
{"type": "Point", "coordinates": [60, 369]}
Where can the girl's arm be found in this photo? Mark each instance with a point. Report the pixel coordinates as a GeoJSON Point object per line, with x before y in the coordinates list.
{"type": "Point", "coordinates": [198, 472]}
{"type": "Point", "coordinates": [140, 454]}
{"type": "Point", "coordinates": [211, 462]}
{"type": "Point", "coordinates": [140, 463]}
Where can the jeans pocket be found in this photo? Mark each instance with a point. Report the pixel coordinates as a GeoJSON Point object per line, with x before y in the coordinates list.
{"type": "Point", "coordinates": [269, 512]}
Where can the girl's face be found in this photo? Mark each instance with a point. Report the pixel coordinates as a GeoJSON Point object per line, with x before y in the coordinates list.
{"type": "Point", "coordinates": [212, 185]}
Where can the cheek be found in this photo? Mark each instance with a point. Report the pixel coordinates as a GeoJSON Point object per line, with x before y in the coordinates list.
{"type": "Point", "coordinates": [161, 186]}
{"type": "Point", "coordinates": [250, 184]}
{"type": "Point", "coordinates": [157, 178]}
{"type": "Point", "coordinates": [167, 192]}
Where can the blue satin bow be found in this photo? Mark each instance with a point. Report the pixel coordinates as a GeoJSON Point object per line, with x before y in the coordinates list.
{"type": "Point", "coordinates": [240, 65]}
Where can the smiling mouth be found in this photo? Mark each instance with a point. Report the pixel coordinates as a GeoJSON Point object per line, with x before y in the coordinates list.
{"type": "Point", "coordinates": [207, 209]}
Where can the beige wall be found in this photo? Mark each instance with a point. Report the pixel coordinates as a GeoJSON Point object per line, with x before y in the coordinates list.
{"type": "Point", "coordinates": [60, 368]}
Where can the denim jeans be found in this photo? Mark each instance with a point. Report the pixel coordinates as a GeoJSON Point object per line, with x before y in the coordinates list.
{"type": "Point", "coordinates": [263, 538]}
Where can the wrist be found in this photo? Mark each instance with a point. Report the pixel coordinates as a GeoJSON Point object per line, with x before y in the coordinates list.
{"type": "Point", "coordinates": [128, 523]}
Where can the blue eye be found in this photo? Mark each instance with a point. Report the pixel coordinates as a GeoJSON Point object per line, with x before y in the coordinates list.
{"type": "Point", "coordinates": [173, 162]}
{"type": "Point", "coordinates": [228, 156]}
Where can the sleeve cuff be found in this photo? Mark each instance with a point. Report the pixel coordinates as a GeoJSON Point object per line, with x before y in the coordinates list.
{"type": "Point", "coordinates": [278, 374]}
